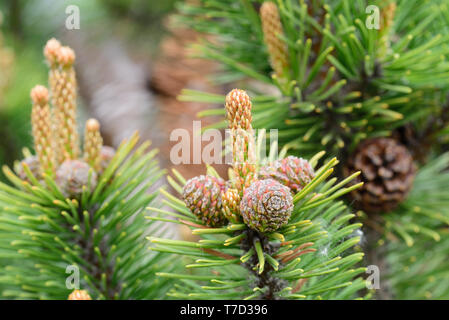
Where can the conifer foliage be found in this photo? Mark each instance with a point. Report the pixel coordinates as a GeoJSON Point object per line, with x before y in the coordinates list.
{"type": "Point", "coordinates": [72, 219]}
{"type": "Point", "coordinates": [348, 77]}
{"type": "Point", "coordinates": [273, 241]}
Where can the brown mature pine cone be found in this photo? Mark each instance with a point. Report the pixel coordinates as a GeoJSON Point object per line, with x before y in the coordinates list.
{"type": "Point", "coordinates": [387, 170]}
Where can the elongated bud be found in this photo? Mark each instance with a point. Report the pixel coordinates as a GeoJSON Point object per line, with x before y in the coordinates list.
{"type": "Point", "coordinates": [388, 14]}
{"type": "Point", "coordinates": [65, 57]}
{"type": "Point", "coordinates": [51, 50]}
{"type": "Point", "coordinates": [387, 18]}
{"type": "Point", "coordinates": [272, 28]}
{"type": "Point", "coordinates": [238, 109]}
{"type": "Point", "coordinates": [93, 143]}
{"type": "Point", "coordinates": [79, 295]}
{"type": "Point", "coordinates": [244, 159]}
{"type": "Point", "coordinates": [63, 87]}
{"type": "Point", "coordinates": [41, 127]}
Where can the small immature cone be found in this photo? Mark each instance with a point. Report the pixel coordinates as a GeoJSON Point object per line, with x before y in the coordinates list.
{"type": "Point", "coordinates": [63, 86]}
{"type": "Point", "coordinates": [41, 127]}
{"type": "Point", "coordinates": [79, 295]}
{"type": "Point", "coordinates": [292, 172]}
{"type": "Point", "coordinates": [93, 143]}
{"type": "Point", "coordinates": [51, 50]}
{"type": "Point", "coordinates": [238, 109]}
{"type": "Point", "coordinates": [272, 28]}
{"type": "Point", "coordinates": [72, 176]}
{"type": "Point", "coordinates": [33, 164]}
{"type": "Point", "coordinates": [202, 195]}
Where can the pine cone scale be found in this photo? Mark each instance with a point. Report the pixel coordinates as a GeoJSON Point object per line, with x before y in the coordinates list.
{"type": "Point", "coordinates": [266, 205]}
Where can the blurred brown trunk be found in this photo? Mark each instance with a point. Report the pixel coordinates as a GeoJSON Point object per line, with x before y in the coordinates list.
{"type": "Point", "coordinates": [173, 71]}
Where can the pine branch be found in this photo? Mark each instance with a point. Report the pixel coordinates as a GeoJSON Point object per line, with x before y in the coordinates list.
{"type": "Point", "coordinates": [254, 250]}
{"type": "Point", "coordinates": [375, 94]}
{"type": "Point", "coordinates": [346, 84]}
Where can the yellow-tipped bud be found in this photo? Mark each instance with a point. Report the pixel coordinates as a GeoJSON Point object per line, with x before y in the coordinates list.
{"type": "Point", "coordinates": [51, 51]}
{"type": "Point", "coordinates": [93, 144]}
{"type": "Point", "coordinates": [39, 95]}
{"type": "Point", "coordinates": [63, 87]}
{"type": "Point", "coordinates": [238, 109]}
{"type": "Point", "coordinates": [41, 127]}
{"type": "Point", "coordinates": [66, 57]}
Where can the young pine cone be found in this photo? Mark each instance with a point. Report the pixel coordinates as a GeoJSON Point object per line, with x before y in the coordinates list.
{"type": "Point", "coordinates": [387, 170]}
{"type": "Point", "coordinates": [34, 166]}
{"type": "Point", "coordinates": [266, 205]}
{"type": "Point", "coordinates": [292, 172]}
{"type": "Point", "coordinates": [41, 125]}
{"type": "Point", "coordinates": [202, 195]}
{"type": "Point", "coordinates": [72, 175]}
